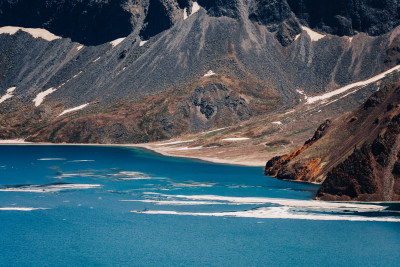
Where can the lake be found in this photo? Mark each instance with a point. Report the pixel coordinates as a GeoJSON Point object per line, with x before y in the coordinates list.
{"type": "Point", "coordinates": [116, 206]}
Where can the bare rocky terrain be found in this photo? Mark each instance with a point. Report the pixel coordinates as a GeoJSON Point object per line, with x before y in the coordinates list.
{"type": "Point", "coordinates": [243, 81]}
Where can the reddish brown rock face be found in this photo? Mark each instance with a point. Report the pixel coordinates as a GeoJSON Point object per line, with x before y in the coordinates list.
{"type": "Point", "coordinates": [281, 168]}
{"type": "Point", "coordinates": [369, 173]}
{"type": "Point", "coordinates": [356, 157]}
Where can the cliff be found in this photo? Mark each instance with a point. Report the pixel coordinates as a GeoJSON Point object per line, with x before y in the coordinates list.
{"type": "Point", "coordinates": [355, 157]}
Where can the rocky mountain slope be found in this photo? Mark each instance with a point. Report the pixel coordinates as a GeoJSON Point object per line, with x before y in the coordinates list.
{"type": "Point", "coordinates": [355, 157]}
{"type": "Point", "coordinates": [143, 70]}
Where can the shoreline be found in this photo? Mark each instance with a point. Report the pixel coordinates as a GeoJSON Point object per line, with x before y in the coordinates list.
{"type": "Point", "coordinates": [148, 146]}
{"type": "Point", "coordinates": [151, 148]}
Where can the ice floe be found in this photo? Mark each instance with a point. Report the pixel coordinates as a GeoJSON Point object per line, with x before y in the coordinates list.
{"type": "Point", "coordinates": [276, 213]}
{"type": "Point", "coordinates": [175, 202]}
{"type": "Point", "coordinates": [73, 109]}
{"type": "Point", "coordinates": [281, 201]}
{"type": "Point", "coordinates": [132, 175]}
{"type": "Point", "coordinates": [315, 36]}
{"type": "Point", "coordinates": [287, 209]}
{"type": "Point", "coordinates": [49, 188]}
{"type": "Point", "coordinates": [38, 100]}
{"type": "Point", "coordinates": [51, 159]}
{"type": "Point", "coordinates": [117, 42]}
{"type": "Point", "coordinates": [34, 32]}
{"type": "Point", "coordinates": [21, 208]}
{"type": "Point", "coordinates": [341, 90]}
{"type": "Point", "coordinates": [9, 94]}
{"type": "Point", "coordinates": [82, 160]}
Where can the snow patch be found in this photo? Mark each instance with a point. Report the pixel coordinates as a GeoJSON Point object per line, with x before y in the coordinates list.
{"type": "Point", "coordinates": [277, 122]}
{"type": "Point", "coordinates": [190, 148]}
{"type": "Point", "coordinates": [117, 41]}
{"type": "Point", "coordinates": [174, 143]}
{"type": "Point", "coordinates": [74, 109]}
{"type": "Point", "coordinates": [34, 32]}
{"type": "Point", "coordinates": [195, 8]}
{"type": "Point", "coordinates": [142, 43]}
{"type": "Point", "coordinates": [315, 36]}
{"type": "Point", "coordinates": [97, 59]}
{"type": "Point", "coordinates": [79, 47]}
{"type": "Point", "coordinates": [341, 90]}
{"type": "Point", "coordinates": [40, 97]}
{"type": "Point", "coordinates": [297, 37]}
{"type": "Point", "coordinates": [236, 139]}
{"type": "Point", "coordinates": [209, 73]}
{"type": "Point", "coordinates": [9, 94]}
{"type": "Point", "coordinates": [216, 130]}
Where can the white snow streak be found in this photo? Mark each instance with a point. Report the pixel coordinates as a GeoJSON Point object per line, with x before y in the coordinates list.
{"type": "Point", "coordinates": [142, 43]}
{"type": "Point", "coordinates": [376, 78]}
{"type": "Point", "coordinates": [74, 109]}
{"type": "Point", "coordinates": [236, 139]}
{"type": "Point", "coordinates": [174, 142]}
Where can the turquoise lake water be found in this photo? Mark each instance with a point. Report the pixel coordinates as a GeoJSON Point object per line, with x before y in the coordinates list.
{"type": "Point", "coordinates": [111, 206]}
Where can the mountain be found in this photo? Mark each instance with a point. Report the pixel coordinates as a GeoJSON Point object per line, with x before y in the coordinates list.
{"type": "Point", "coordinates": [133, 71]}
{"type": "Point", "coordinates": [356, 156]}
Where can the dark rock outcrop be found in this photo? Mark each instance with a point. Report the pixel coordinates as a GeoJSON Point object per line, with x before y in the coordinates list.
{"type": "Point", "coordinates": [93, 22]}
{"type": "Point", "coordinates": [346, 17]}
{"type": "Point", "coordinates": [356, 157]}
{"type": "Point", "coordinates": [89, 22]}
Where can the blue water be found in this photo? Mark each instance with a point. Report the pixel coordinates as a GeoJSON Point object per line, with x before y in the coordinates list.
{"type": "Point", "coordinates": [111, 221]}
